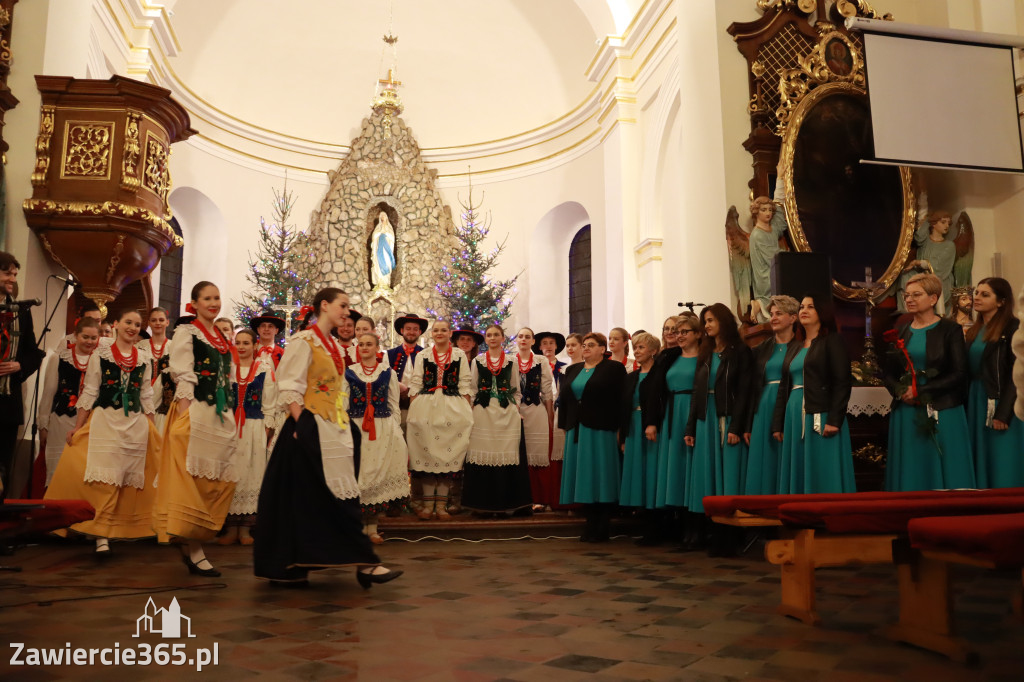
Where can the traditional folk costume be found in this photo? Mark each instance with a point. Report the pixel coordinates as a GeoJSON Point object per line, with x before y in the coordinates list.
{"type": "Point", "coordinates": [274, 352]}
{"type": "Point", "coordinates": [814, 393]}
{"type": "Point", "coordinates": [401, 359]}
{"type": "Point", "coordinates": [113, 459]}
{"type": "Point", "coordinates": [63, 381]}
{"type": "Point", "coordinates": [163, 385]}
{"type": "Point", "coordinates": [536, 387]}
{"type": "Point", "coordinates": [308, 516]}
{"type": "Point", "coordinates": [496, 476]}
{"type": "Point", "coordinates": [440, 421]}
{"type": "Point", "coordinates": [18, 344]}
{"type": "Point", "coordinates": [997, 454]}
{"type": "Point", "coordinates": [256, 410]}
{"type": "Point", "coordinates": [384, 456]}
{"type": "Point", "coordinates": [199, 463]}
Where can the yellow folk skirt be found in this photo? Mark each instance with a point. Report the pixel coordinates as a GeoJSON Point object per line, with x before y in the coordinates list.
{"type": "Point", "coordinates": [121, 512]}
{"type": "Point", "coordinates": [187, 507]}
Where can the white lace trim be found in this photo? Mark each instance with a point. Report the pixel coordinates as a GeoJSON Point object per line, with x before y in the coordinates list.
{"type": "Point", "coordinates": [395, 487]}
{"type": "Point", "coordinates": [115, 477]}
{"type": "Point", "coordinates": [492, 459]}
{"type": "Point", "coordinates": [869, 401]}
{"type": "Point", "coordinates": [213, 469]}
{"type": "Point", "coordinates": [286, 398]}
{"type": "Point", "coordinates": [184, 390]}
{"type": "Point", "coordinates": [244, 501]}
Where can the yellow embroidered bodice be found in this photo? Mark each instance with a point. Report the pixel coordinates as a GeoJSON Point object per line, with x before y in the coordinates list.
{"type": "Point", "coordinates": [325, 393]}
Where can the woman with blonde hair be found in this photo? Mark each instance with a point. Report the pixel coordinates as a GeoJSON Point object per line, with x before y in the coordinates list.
{"type": "Point", "coordinates": [669, 336]}
{"type": "Point", "coordinates": [926, 371]}
{"type": "Point", "coordinates": [639, 453]}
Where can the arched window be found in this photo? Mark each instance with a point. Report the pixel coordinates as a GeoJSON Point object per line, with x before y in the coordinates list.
{"type": "Point", "coordinates": [170, 277]}
{"type": "Point", "coordinates": [580, 315]}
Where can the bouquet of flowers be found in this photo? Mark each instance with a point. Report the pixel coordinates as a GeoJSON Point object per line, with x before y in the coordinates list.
{"type": "Point", "coordinates": [927, 418]}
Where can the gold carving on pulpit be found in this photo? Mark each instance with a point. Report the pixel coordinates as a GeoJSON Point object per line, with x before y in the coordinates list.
{"type": "Point", "coordinates": [132, 150]}
{"type": "Point", "coordinates": [43, 145]}
{"type": "Point", "coordinates": [87, 148]}
{"type": "Point", "coordinates": [157, 176]}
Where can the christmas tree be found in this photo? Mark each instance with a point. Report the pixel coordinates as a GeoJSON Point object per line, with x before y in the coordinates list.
{"type": "Point", "coordinates": [472, 300]}
{"type": "Point", "coordinates": [283, 268]}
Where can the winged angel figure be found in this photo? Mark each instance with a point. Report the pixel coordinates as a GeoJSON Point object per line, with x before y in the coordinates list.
{"type": "Point", "coordinates": [739, 259]}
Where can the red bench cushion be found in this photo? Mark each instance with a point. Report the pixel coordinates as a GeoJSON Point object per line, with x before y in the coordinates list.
{"type": "Point", "coordinates": [891, 516]}
{"type": "Point", "coordinates": [54, 515]}
{"type": "Point", "coordinates": [768, 505]}
{"type": "Point", "coordinates": [996, 538]}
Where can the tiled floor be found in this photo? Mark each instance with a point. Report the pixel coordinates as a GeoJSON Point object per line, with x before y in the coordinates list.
{"type": "Point", "coordinates": [510, 610]}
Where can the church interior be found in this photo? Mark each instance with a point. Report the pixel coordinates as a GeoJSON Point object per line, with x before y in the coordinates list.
{"type": "Point", "coordinates": [612, 148]}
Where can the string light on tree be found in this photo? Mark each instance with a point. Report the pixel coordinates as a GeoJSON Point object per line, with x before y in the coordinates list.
{"type": "Point", "coordinates": [471, 298]}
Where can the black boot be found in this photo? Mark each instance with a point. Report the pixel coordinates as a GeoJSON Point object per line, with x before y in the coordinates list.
{"type": "Point", "coordinates": [602, 528]}
{"type": "Point", "coordinates": [654, 533]}
{"type": "Point", "coordinates": [590, 528]}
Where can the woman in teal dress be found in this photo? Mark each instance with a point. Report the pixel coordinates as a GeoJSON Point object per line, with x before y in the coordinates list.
{"type": "Point", "coordinates": [997, 435]}
{"type": "Point", "coordinates": [718, 414]}
{"type": "Point", "coordinates": [589, 413]}
{"type": "Point", "coordinates": [769, 357]}
{"type": "Point", "coordinates": [810, 410]}
{"type": "Point", "coordinates": [639, 454]}
{"type": "Point", "coordinates": [929, 442]}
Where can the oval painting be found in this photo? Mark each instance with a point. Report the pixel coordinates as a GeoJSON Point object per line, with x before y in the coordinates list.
{"type": "Point", "coordinates": [850, 211]}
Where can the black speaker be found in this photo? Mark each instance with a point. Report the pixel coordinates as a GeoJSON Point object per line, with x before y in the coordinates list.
{"type": "Point", "coordinates": [798, 274]}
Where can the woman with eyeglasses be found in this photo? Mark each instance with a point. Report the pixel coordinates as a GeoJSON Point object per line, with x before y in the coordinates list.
{"type": "Point", "coordinates": [589, 414]}
{"type": "Point", "coordinates": [769, 357]}
{"type": "Point", "coordinates": [810, 411]}
{"type": "Point", "coordinates": [997, 435]}
{"type": "Point", "coordinates": [668, 332]}
{"type": "Point", "coordinates": [665, 413]}
{"type": "Point", "coordinates": [926, 371]}
{"type": "Point", "coordinates": [718, 411]}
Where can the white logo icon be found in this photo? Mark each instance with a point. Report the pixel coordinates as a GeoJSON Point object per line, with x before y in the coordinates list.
{"type": "Point", "coordinates": [165, 622]}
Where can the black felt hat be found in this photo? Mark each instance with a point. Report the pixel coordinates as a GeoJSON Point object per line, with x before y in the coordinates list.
{"type": "Point", "coordinates": [559, 341]}
{"type": "Point", "coordinates": [354, 315]}
{"type": "Point", "coordinates": [267, 316]}
{"type": "Point", "coordinates": [409, 317]}
{"type": "Point", "coordinates": [478, 338]}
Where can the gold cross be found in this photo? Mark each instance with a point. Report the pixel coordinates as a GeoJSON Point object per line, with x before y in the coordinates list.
{"type": "Point", "coordinates": [390, 83]}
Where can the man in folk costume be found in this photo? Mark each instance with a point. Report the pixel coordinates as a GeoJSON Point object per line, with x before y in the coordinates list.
{"type": "Point", "coordinates": [267, 326]}
{"type": "Point", "coordinates": [400, 358]}
{"type": "Point", "coordinates": [346, 334]}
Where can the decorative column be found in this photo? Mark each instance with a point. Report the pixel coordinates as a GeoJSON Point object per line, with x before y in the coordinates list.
{"type": "Point", "coordinates": [101, 179]}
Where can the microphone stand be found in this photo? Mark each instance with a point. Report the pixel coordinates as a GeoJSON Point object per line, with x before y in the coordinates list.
{"type": "Point", "coordinates": [35, 394]}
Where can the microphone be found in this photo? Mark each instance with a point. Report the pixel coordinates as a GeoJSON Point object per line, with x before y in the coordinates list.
{"type": "Point", "coordinates": [70, 280]}
{"type": "Point", "coordinates": [689, 304]}
{"type": "Point", "coordinates": [15, 306]}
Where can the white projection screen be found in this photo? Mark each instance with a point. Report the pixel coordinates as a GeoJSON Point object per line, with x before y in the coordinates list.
{"type": "Point", "coordinates": [942, 103]}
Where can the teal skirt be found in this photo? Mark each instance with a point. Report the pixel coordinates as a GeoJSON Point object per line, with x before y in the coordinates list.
{"type": "Point", "coordinates": [809, 462]}
{"type": "Point", "coordinates": [674, 455]}
{"type": "Point", "coordinates": [717, 468]}
{"type": "Point", "coordinates": [639, 467]}
{"type": "Point", "coordinates": [918, 461]}
{"type": "Point", "coordinates": [590, 468]}
{"type": "Point", "coordinates": [998, 455]}
{"type": "Point", "coordinates": [763, 457]}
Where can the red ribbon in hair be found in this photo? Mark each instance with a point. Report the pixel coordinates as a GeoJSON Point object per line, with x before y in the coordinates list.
{"type": "Point", "coordinates": [190, 309]}
{"type": "Point", "coordinates": [305, 310]}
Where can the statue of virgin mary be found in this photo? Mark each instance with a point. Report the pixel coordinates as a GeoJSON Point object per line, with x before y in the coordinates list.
{"type": "Point", "coordinates": [382, 243]}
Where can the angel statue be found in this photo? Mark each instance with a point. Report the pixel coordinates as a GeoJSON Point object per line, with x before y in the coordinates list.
{"type": "Point", "coordinates": [951, 260]}
{"type": "Point", "coordinates": [739, 259]}
{"type": "Point", "coordinates": [382, 245]}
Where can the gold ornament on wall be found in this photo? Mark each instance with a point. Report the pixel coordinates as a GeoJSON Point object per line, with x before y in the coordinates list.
{"type": "Point", "coordinates": [43, 145]}
{"type": "Point", "coordinates": [115, 257]}
{"type": "Point", "coordinates": [834, 59]}
{"type": "Point", "coordinates": [87, 148]}
{"type": "Point", "coordinates": [132, 150]}
{"type": "Point", "coordinates": [859, 8]}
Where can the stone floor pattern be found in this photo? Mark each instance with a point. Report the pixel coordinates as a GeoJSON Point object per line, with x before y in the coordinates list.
{"type": "Point", "coordinates": [502, 610]}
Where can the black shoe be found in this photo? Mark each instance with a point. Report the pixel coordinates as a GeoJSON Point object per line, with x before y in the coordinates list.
{"type": "Point", "coordinates": [366, 580]}
{"type": "Point", "coordinates": [195, 570]}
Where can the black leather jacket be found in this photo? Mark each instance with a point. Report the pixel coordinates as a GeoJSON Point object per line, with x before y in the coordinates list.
{"type": "Point", "coordinates": [732, 389]}
{"type": "Point", "coordinates": [762, 353]}
{"type": "Point", "coordinates": [827, 382]}
{"type": "Point", "coordinates": [945, 352]}
{"type": "Point", "coordinates": [997, 372]}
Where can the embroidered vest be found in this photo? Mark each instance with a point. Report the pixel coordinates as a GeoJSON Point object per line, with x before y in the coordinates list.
{"type": "Point", "coordinates": [253, 402]}
{"type": "Point", "coordinates": [113, 392]}
{"type": "Point", "coordinates": [489, 385]}
{"type": "Point", "coordinates": [213, 370]}
{"type": "Point", "coordinates": [529, 384]}
{"type": "Point", "coordinates": [399, 360]}
{"type": "Point", "coordinates": [378, 395]}
{"type": "Point", "coordinates": [450, 380]}
{"type": "Point", "coordinates": [68, 380]}
{"type": "Point", "coordinates": [323, 385]}
{"type": "Point", "coordinates": [167, 385]}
